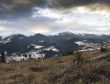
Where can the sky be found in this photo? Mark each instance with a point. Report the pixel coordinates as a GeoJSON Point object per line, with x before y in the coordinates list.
{"type": "Point", "coordinates": [49, 17]}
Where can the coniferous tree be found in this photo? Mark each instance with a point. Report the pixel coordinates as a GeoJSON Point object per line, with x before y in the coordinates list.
{"type": "Point", "coordinates": [2, 57]}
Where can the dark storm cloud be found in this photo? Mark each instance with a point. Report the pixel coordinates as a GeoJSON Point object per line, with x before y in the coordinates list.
{"type": "Point", "coordinates": [18, 8]}
{"type": "Point", "coordinates": [92, 5]}
{"type": "Point", "coordinates": [23, 8]}
{"type": "Point", "coordinates": [73, 3]}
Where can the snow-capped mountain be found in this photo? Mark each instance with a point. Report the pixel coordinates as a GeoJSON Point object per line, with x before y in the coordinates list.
{"type": "Point", "coordinates": [51, 45]}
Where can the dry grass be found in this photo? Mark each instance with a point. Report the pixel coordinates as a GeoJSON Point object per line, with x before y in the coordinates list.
{"type": "Point", "coordinates": [58, 70]}
{"type": "Point", "coordinates": [94, 53]}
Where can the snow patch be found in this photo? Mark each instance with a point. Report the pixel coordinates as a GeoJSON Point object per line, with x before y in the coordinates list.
{"type": "Point", "coordinates": [38, 46]}
{"type": "Point", "coordinates": [5, 41]}
{"type": "Point", "coordinates": [52, 48]}
{"type": "Point", "coordinates": [80, 43]}
{"type": "Point", "coordinates": [41, 41]}
{"type": "Point", "coordinates": [35, 46]}
{"type": "Point", "coordinates": [35, 55]}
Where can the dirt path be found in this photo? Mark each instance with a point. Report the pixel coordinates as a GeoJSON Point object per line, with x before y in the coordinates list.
{"type": "Point", "coordinates": [105, 56]}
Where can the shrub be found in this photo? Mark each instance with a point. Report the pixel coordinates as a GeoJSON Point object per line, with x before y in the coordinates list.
{"type": "Point", "coordinates": [103, 50]}
{"type": "Point", "coordinates": [78, 58]}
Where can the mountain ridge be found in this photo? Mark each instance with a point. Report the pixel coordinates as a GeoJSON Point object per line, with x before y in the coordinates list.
{"type": "Point", "coordinates": [64, 42]}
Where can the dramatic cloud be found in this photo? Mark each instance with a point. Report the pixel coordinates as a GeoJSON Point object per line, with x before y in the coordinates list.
{"type": "Point", "coordinates": [71, 3]}
{"type": "Point", "coordinates": [17, 8]}
{"type": "Point", "coordinates": [22, 8]}
{"type": "Point", "coordinates": [92, 5]}
{"type": "Point", "coordinates": [53, 16]}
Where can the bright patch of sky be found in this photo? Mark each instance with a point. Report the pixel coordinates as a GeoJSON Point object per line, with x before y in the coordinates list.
{"type": "Point", "coordinates": [76, 20]}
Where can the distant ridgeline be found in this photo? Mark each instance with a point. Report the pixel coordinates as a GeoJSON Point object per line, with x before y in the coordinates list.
{"type": "Point", "coordinates": [52, 45]}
